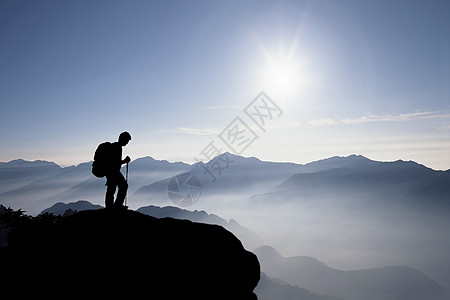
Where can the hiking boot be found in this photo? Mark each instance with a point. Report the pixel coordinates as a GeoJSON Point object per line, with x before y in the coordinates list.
{"type": "Point", "coordinates": [120, 207]}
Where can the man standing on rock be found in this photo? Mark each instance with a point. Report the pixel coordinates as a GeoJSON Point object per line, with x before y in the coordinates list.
{"type": "Point", "coordinates": [107, 162]}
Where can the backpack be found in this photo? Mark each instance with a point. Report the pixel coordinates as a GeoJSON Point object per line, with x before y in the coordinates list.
{"type": "Point", "coordinates": [101, 160]}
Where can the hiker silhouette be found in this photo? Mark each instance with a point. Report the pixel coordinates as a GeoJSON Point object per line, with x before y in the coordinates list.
{"type": "Point", "coordinates": [107, 163]}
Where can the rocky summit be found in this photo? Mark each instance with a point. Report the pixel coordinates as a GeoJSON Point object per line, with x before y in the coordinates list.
{"type": "Point", "coordinates": [127, 254]}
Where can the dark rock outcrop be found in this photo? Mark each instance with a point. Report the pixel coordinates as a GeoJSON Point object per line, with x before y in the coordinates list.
{"type": "Point", "coordinates": [127, 254]}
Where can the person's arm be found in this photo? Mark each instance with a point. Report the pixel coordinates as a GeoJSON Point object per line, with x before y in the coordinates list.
{"type": "Point", "coordinates": [126, 160]}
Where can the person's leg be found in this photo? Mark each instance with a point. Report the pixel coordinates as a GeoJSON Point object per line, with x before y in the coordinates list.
{"type": "Point", "coordinates": [123, 187]}
{"type": "Point", "coordinates": [111, 185]}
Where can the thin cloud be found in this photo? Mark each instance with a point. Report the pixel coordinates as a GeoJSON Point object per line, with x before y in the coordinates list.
{"type": "Point", "coordinates": [322, 122]}
{"type": "Point", "coordinates": [216, 107]}
{"type": "Point", "coordinates": [387, 118]}
{"type": "Point", "coordinates": [197, 131]}
{"type": "Point", "coordinates": [370, 118]}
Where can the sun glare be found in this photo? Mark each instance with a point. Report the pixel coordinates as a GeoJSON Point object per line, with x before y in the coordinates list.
{"type": "Point", "coordinates": [283, 68]}
{"type": "Point", "coordinates": [281, 75]}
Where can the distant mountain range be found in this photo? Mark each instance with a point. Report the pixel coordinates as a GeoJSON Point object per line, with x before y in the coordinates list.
{"type": "Point", "coordinates": [33, 186]}
{"type": "Point", "coordinates": [357, 175]}
{"type": "Point", "coordinates": [226, 175]}
{"type": "Point", "coordinates": [352, 176]}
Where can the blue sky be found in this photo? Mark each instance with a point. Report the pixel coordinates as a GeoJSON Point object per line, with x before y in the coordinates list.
{"type": "Point", "coordinates": [364, 77]}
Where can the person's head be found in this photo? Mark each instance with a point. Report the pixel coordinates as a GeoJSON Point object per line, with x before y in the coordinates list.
{"type": "Point", "coordinates": [124, 138]}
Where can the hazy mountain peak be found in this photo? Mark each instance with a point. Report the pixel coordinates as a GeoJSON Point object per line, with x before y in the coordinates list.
{"type": "Point", "coordinates": [237, 158]}
{"type": "Point", "coordinates": [337, 162]}
{"type": "Point", "coordinates": [409, 163]}
{"type": "Point", "coordinates": [179, 213]}
{"type": "Point", "coordinates": [148, 157]}
{"type": "Point", "coordinates": [357, 156]}
{"type": "Point", "coordinates": [267, 252]}
{"type": "Point", "coordinates": [21, 163]}
{"type": "Point", "coordinates": [149, 161]}
{"type": "Point", "coordinates": [349, 158]}
{"type": "Point", "coordinates": [60, 208]}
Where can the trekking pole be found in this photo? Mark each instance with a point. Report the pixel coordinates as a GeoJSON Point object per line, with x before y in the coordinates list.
{"type": "Point", "coordinates": [126, 196]}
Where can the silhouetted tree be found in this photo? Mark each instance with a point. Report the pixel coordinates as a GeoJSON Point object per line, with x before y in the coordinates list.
{"type": "Point", "coordinates": [10, 219]}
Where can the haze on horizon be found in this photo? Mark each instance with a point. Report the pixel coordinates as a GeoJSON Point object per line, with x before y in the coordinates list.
{"type": "Point", "coordinates": [363, 77]}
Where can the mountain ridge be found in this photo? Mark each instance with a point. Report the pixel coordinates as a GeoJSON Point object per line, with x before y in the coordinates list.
{"type": "Point", "coordinates": [390, 282]}
{"type": "Point", "coordinates": [20, 161]}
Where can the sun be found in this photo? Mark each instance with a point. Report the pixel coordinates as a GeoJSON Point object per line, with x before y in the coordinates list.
{"type": "Point", "coordinates": [284, 69]}
{"type": "Point", "coordinates": [281, 75]}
